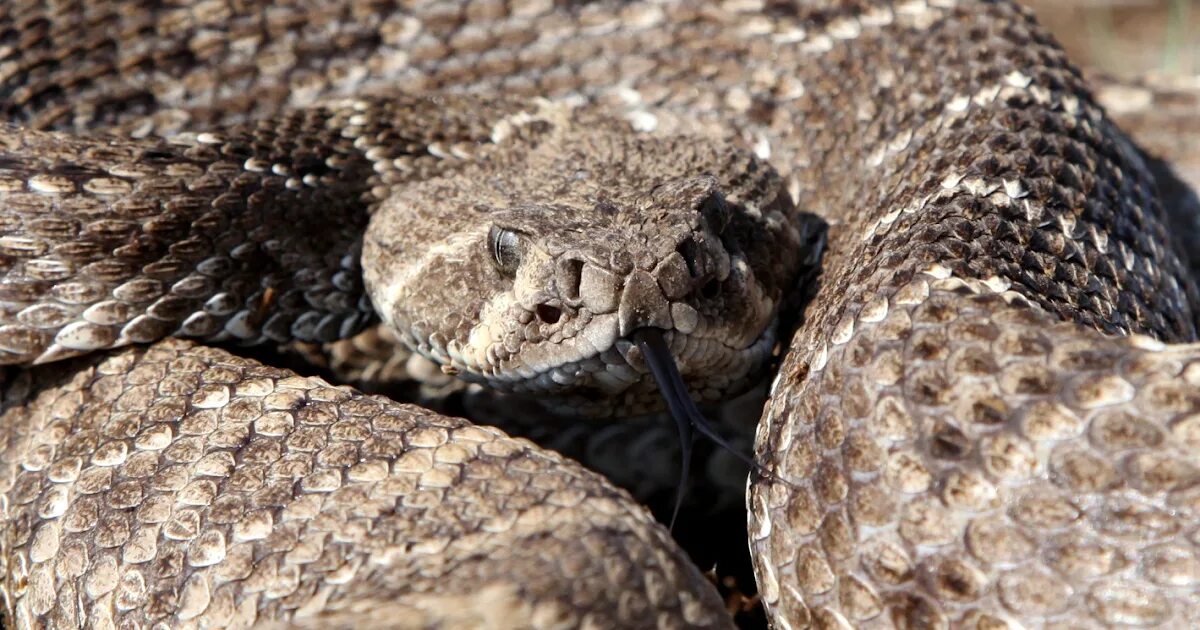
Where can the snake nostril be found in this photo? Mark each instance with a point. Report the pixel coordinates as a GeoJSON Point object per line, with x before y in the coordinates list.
{"type": "Point", "coordinates": [710, 289]}
{"type": "Point", "coordinates": [691, 253]}
{"type": "Point", "coordinates": [570, 275]}
{"type": "Point", "coordinates": [548, 314]}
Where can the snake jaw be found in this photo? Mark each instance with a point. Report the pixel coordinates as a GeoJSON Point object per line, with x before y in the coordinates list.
{"type": "Point", "coordinates": [716, 316]}
{"type": "Point", "coordinates": [588, 362]}
{"type": "Point", "coordinates": [618, 380]}
{"type": "Point", "coordinates": [564, 327]}
{"type": "Point", "coordinates": [545, 280]}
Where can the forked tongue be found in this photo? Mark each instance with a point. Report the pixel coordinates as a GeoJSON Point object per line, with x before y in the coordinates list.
{"type": "Point", "coordinates": [683, 409]}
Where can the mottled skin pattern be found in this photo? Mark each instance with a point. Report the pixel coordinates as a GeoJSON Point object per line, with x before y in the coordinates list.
{"type": "Point", "coordinates": [184, 485]}
{"type": "Point", "coordinates": [955, 438]}
{"type": "Point", "coordinates": [609, 232]}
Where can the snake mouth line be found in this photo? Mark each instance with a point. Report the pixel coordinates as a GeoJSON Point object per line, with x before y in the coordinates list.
{"type": "Point", "coordinates": [715, 368]}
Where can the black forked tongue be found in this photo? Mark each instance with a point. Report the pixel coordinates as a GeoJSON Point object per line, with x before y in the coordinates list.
{"type": "Point", "coordinates": [683, 409]}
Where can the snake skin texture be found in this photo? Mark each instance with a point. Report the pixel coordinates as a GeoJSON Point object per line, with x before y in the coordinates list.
{"type": "Point", "coordinates": [987, 416]}
{"type": "Point", "coordinates": [151, 502]}
{"type": "Point", "coordinates": [1159, 112]}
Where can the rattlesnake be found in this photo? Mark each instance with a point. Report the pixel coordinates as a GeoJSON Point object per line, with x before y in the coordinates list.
{"type": "Point", "coordinates": [983, 419]}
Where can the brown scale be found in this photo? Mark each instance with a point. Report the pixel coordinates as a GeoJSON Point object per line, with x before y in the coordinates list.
{"type": "Point", "coordinates": [1039, 473]}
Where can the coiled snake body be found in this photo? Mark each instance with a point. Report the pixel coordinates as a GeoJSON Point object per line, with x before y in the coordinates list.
{"type": "Point", "coordinates": [988, 415]}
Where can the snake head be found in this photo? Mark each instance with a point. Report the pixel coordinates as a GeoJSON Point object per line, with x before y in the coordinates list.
{"type": "Point", "coordinates": [536, 282]}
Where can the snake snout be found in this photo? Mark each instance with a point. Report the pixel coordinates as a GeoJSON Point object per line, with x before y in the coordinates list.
{"type": "Point", "coordinates": [673, 293]}
{"type": "Point", "coordinates": [643, 305]}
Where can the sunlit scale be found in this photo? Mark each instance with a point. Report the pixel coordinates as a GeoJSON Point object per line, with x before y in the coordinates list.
{"type": "Point", "coordinates": [545, 278]}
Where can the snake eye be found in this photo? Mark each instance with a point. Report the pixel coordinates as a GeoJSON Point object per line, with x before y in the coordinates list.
{"type": "Point", "coordinates": [506, 251]}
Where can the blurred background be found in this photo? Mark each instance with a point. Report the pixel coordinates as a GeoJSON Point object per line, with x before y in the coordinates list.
{"type": "Point", "coordinates": [1127, 38]}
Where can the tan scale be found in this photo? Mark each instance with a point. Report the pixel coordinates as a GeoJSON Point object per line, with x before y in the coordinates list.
{"type": "Point", "coordinates": [987, 416]}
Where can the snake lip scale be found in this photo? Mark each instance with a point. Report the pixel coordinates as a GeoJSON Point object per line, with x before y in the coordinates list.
{"type": "Point", "coordinates": [985, 417]}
